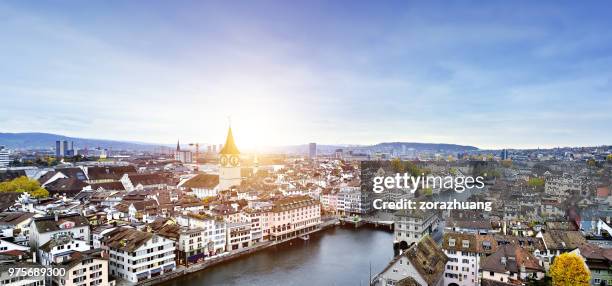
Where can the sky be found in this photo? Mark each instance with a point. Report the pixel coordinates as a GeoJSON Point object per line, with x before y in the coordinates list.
{"type": "Point", "coordinates": [491, 74]}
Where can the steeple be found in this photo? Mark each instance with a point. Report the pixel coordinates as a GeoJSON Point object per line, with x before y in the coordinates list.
{"type": "Point", "coordinates": [178, 146]}
{"type": "Point", "coordinates": [229, 147]}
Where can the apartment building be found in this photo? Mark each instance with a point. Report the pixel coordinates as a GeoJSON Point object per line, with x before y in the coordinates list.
{"type": "Point", "coordinates": [17, 226]}
{"type": "Point", "coordinates": [258, 218]}
{"type": "Point", "coordinates": [43, 229]}
{"type": "Point", "coordinates": [60, 249]}
{"type": "Point", "coordinates": [293, 216]}
{"type": "Point", "coordinates": [84, 268]}
{"type": "Point", "coordinates": [412, 225]}
{"type": "Point", "coordinates": [4, 157]}
{"type": "Point", "coordinates": [511, 264]}
{"type": "Point", "coordinates": [238, 235]}
{"type": "Point", "coordinates": [214, 229]}
{"type": "Point", "coordinates": [463, 259]}
{"type": "Point", "coordinates": [136, 255]}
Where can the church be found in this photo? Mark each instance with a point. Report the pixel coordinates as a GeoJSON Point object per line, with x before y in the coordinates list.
{"type": "Point", "coordinates": [209, 185]}
{"type": "Point", "coordinates": [229, 163]}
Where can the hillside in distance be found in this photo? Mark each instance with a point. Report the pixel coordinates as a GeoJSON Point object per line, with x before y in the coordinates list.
{"type": "Point", "coordinates": [37, 140]}
{"type": "Point", "coordinates": [386, 147]}
{"type": "Point", "coordinates": [432, 147]}
{"type": "Point", "coordinates": [47, 141]}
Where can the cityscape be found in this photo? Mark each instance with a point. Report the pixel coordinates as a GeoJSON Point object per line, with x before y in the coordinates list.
{"type": "Point", "coordinates": [144, 217]}
{"type": "Point", "coordinates": [392, 143]}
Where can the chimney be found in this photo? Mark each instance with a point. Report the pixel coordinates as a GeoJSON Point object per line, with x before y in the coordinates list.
{"type": "Point", "coordinates": [56, 217]}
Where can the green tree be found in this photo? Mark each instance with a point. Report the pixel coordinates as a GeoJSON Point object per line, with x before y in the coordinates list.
{"type": "Point", "coordinates": [24, 184]}
{"type": "Point", "coordinates": [568, 269]}
{"type": "Point", "coordinates": [536, 182]}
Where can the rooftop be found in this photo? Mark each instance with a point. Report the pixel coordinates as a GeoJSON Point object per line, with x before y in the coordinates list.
{"type": "Point", "coordinates": [126, 239]}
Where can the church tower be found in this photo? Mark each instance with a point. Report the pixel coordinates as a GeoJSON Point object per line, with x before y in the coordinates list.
{"type": "Point", "coordinates": [229, 163]}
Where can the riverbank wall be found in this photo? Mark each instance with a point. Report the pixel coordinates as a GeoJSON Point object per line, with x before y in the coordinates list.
{"type": "Point", "coordinates": [182, 270]}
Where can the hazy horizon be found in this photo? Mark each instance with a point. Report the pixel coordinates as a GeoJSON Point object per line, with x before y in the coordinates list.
{"type": "Point", "coordinates": [185, 144]}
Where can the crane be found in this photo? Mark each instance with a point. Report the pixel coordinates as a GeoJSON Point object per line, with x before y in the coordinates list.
{"type": "Point", "coordinates": [197, 151]}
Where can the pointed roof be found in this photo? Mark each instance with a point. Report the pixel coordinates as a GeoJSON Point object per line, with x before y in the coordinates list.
{"type": "Point", "coordinates": [178, 146]}
{"type": "Point", "coordinates": [230, 146]}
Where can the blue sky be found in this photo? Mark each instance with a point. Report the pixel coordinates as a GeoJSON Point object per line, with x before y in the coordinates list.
{"type": "Point", "coordinates": [491, 74]}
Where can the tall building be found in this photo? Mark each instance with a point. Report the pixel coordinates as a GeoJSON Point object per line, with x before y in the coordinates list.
{"type": "Point", "coordinates": [65, 148]}
{"type": "Point", "coordinates": [504, 154]}
{"type": "Point", "coordinates": [338, 153]}
{"type": "Point", "coordinates": [62, 149]}
{"type": "Point", "coordinates": [4, 157]}
{"type": "Point", "coordinates": [184, 156]}
{"type": "Point", "coordinates": [59, 149]}
{"type": "Point", "coordinates": [312, 150]}
{"type": "Point", "coordinates": [229, 160]}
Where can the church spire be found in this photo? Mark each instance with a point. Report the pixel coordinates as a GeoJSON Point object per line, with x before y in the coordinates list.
{"type": "Point", "coordinates": [230, 146]}
{"type": "Point", "coordinates": [178, 145]}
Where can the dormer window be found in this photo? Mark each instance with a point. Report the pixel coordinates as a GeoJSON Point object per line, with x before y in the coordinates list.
{"type": "Point", "coordinates": [465, 243]}
{"type": "Point", "coordinates": [451, 242]}
{"type": "Point", "coordinates": [486, 245]}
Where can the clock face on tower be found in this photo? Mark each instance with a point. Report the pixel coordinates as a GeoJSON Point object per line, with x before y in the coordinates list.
{"type": "Point", "coordinates": [234, 161]}
{"type": "Point", "coordinates": [223, 161]}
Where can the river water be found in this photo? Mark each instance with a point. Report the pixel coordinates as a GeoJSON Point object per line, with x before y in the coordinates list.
{"type": "Point", "coordinates": [338, 256]}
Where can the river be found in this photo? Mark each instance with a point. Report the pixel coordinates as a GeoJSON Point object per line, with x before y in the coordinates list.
{"type": "Point", "coordinates": [338, 256]}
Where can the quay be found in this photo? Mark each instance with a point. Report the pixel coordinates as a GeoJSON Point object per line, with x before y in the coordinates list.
{"type": "Point", "coordinates": [379, 220]}
{"type": "Point", "coordinates": [224, 257]}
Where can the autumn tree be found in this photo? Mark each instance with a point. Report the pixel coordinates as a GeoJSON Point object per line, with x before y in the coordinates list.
{"type": "Point", "coordinates": [592, 163]}
{"type": "Point", "coordinates": [506, 163]}
{"type": "Point", "coordinates": [24, 184]}
{"type": "Point", "coordinates": [568, 269]}
{"type": "Point", "coordinates": [397, 165]}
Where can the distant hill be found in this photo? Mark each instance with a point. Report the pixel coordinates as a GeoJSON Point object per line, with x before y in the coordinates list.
{"type": "Point", "coordinates": [380, 147]}
{"type": "Point", "coordinates": [47, 141]}
{"type": "Point", "coordinates": [433, 147]}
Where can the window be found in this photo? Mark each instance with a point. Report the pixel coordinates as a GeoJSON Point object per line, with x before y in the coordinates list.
{"type": "Point", "coordinates": [466, 243]}
{"type": "Point", "coordinates": [486, 245]}
{"type": "Point", "coordinates": [451, 242]}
